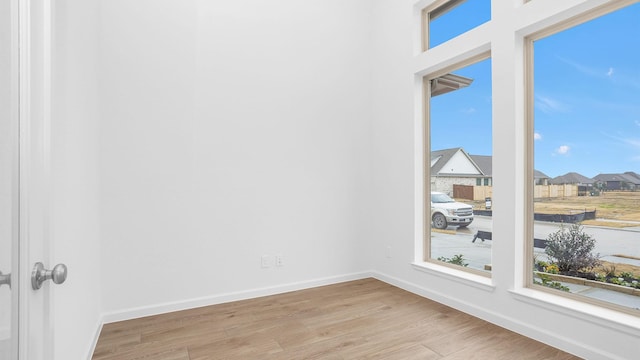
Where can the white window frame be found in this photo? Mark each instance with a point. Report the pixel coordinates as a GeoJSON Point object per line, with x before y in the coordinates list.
{"type": "Point", "coordinates": [427, 150]}
{"type": "Point", "coordinates": [518, 21]}
{"type": "Point", "coordinates": [530, 121]}
{"type": "Point", "coordinates": [440, 7]}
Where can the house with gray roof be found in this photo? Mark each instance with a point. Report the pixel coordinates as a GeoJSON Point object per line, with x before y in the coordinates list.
{"type": "Point", "coordinates": [585, 184]}
{"type": "Point", "coordinates": [484, 163]}
{"type": "Point", "coordinates": [572, 178]}
{"type": "Point", "coordinates": [632, 181]}
{"type": "Point", "coordinates": [626, 181]}
{"type": "Point", "coordinates": [635, 177]}
{"type": "Point", "coordinates": [540, 178]}
{"type": "Point", "coordinates": [457, 167]}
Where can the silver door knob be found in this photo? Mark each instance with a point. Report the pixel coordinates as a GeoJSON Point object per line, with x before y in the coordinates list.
{"type": "Point", "coordinates": [40, 275]}
{"type": "Point", "coordinates": [5, 279]}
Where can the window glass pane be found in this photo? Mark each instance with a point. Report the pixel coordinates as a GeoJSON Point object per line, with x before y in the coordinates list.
{"type": "Point", "coordinates": [461, 144]}
{"type": "Point", "coordinates": [454, 18]}
{"type": "Point", "coordinates": [587, 159]}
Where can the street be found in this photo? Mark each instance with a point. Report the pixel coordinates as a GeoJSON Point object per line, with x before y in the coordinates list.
{"type": "Point", "coordinates": [609, 241]}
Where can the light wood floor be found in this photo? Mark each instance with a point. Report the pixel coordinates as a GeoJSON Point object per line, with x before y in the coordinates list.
{"type": "Point", "coordinates": [364, 319]}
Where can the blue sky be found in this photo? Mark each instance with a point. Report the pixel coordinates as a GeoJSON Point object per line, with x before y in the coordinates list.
{"type": "Point", "coordinates": [587, 96]}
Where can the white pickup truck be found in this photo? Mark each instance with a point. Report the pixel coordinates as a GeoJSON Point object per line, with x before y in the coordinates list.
{"type": "Point", "coordinates": [445, 211]}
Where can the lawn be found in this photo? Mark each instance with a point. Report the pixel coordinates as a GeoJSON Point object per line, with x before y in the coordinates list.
{"type": "Point", "coordinates": [613, 208]}
{"type": "Point", "coordinates": [619, 206]}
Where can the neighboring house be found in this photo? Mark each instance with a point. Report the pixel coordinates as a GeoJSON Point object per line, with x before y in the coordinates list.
{"type": "Point", "coordinates": [456, 167]}
{"type": "Point", "coordinates": [572, 178]}
{"type": "Point", "coordinates": [632, 181]}
{"type": "Point", "coordinates": [453, 166]}
{"type": "Point", "coordinates": [634, 177]}
{"type": "Point", "coordinates": [626, 181]}
{"type": "Point", "coordinates": [540, 178]}
{"type": "Point", "coordinates": [585, 184]}
{"type": "Point", "coordinates": [484, 163]}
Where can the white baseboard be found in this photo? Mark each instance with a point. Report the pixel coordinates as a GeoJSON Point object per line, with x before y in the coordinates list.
{"type": "Point", "coordinates": [96, 335]}
{"type": "Point", "coordinates": [156, 309]}
{"type": "Point", "coordinates": [542, 335]}
{"type": "Point", "coordinates": [582, 350]}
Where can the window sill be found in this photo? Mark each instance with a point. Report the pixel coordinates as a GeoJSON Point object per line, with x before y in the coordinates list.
{"type": "Point", "coordinates": [618, 321]}
{"type": "Point", "coordinates": [459, 276]}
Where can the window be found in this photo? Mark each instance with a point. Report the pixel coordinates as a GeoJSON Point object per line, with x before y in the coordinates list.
{"type": "Point", "coordinates": [460, 127]}
{"type": "Point", "coordinates": [586, 148]}
{"type": "Point", "coordinates": [448, 19]}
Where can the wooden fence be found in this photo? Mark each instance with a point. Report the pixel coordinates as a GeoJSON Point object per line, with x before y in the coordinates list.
{"type": "Point", "coordinates": [470, 192]}
{"type": "Point", "coordinates": [555, 191]}
{"type": "Point", "coordinates": [478, 193]}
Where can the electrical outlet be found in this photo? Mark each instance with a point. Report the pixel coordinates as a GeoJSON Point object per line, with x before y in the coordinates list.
{"type": "Point", "coordinates": [279, 260]}
{"type": "Point", "coordinates": [388, 252]}
{"type": "Point", "coordinates": [266, 261]}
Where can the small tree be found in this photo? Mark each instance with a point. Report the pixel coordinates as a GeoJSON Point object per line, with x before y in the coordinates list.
{"type": "Point", "coordinates": [571, 249]}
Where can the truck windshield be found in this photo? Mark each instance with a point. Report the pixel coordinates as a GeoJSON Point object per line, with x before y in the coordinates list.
{"type": "Point", "coordinates": [441, 198]}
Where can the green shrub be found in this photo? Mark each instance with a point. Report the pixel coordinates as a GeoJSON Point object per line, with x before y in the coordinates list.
{"type": "Point", "coordinates": [571, 249]}
{"type": "Point", "coordinates": [456, 260]}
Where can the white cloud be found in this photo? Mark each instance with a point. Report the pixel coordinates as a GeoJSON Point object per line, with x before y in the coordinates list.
{"type": "Point", "coordinates": [587, 70]}
{"type": "Point", "coordinates": [563, 150]}
{"type": "Point", "coordinates": [633, 142]}
{"type": "Point", "coordinates": [624, 77]}
{"type": "Point", "coordinates": [537, 136]}
{"type": "Point", "coordinates": [469, 110]}
{"type": "Point", "coordinates": [550, 105]}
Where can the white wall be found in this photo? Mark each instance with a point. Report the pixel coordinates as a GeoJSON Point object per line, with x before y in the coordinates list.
{"type": "Point", "coordinates": [230, 130]}
{"type": "Point", "coordinates": [584, 330]}
{"type": "Point", "coordinates": [75, 233]}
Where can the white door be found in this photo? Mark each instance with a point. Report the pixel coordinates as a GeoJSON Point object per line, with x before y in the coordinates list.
{"type": "Point", "coordinates": [35, 320]}
{"type": "Point", "coordinates": [9, 239]}
{"type": "Point", "coordinates": [24, 121]}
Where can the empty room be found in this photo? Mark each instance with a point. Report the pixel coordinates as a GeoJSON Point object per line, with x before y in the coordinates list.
{"type": "Point", "coordinates": [218, 179]}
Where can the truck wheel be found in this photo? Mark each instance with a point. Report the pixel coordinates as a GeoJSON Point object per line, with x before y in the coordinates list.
{"type": "Point", "coordinates": [439, 221]}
